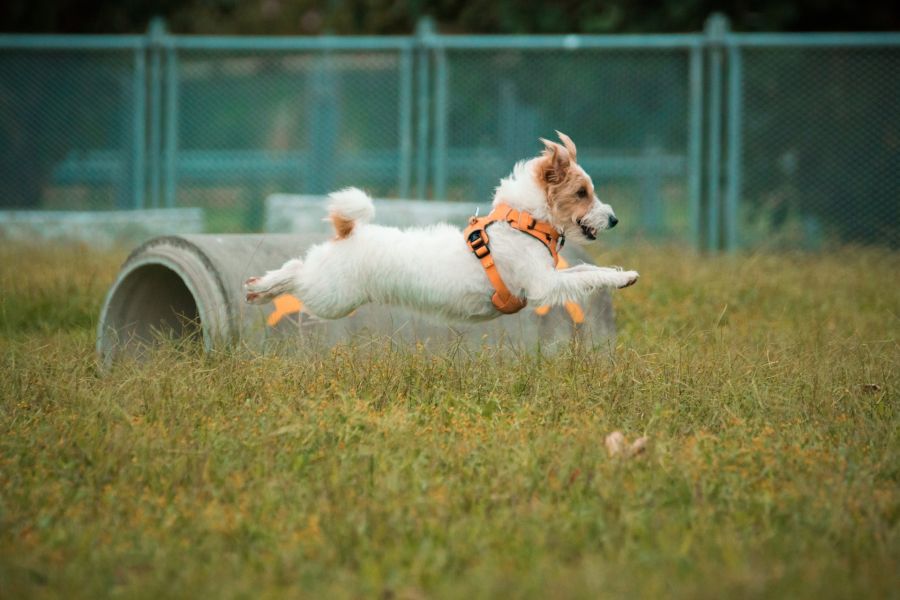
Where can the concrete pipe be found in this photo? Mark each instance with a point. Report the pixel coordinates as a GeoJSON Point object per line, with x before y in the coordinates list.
{"type": "Point", "coordinates": [190, 288]}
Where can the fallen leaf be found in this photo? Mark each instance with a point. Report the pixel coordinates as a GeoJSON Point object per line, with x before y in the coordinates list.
{"type": "Point", "coordinates": [615, 443]}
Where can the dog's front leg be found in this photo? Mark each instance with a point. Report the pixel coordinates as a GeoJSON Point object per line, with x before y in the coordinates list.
{"type": "Point", "coordinates": [557, 287]}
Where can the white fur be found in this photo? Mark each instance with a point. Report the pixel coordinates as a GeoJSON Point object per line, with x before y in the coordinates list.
{"type": "Point", "coordinates": [432, 269]}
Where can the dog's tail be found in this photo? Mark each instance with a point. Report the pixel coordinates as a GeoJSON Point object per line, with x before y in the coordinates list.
{"type": "Point", "coordinates": [347, 208]}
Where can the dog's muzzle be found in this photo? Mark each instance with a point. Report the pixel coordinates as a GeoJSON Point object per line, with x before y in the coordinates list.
{"type": "Point", "coordinates": [589, 232]}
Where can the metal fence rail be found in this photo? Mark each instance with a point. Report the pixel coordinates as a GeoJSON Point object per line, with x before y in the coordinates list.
{"type": "Point", "coordinates": [719, 139]}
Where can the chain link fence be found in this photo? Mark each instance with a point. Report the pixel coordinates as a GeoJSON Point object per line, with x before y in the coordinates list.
{"type": "Point", "coordinates": [821, 145]}
{"type": "Point", "coordinates": [67, 127]}
{"type": "Point", "coordinates": [714, 139]}
{"type": "Point", "coordinates": [626, 109]}
{"type": "Point", "coordinates": [252, 124]}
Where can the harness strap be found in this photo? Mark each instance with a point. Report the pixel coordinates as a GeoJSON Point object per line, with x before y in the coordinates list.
{"type": "Point", "coordinates": [478, 241]}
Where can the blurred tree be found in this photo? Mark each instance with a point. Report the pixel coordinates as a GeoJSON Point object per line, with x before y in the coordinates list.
{"type": "Point", "coordinates": [471, 16]}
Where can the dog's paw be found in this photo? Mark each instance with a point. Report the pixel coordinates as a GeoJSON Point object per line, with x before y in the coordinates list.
{"type": "Point", "coordinates": [258, 297]}
{"type": "Point", "coordinates": [252, 285]}
{"type": "Point", "coordinates": [628, 278]}
{"type": "Point", "coordinates": [253, 293]}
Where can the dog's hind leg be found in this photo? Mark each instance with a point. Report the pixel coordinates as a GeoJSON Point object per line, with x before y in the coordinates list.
{"type": "Point", "coordinates": [274, 283]}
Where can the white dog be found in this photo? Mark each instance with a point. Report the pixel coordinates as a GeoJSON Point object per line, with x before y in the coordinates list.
{"type": "Point", "coordinates": [433, 269]}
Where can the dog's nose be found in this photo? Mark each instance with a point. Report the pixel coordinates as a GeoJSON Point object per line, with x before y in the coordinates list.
{"type": "Point", "coordinates": [613, 221]}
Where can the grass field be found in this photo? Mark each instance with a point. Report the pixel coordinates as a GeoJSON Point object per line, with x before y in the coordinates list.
{"type": "Point", "coordinates": [767, 384]}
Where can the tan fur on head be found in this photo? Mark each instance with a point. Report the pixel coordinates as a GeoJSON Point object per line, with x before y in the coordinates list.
{"type": "Point", "coordinates": [342, 227]}
{"type": "Point", "coordinates": [569, 190]}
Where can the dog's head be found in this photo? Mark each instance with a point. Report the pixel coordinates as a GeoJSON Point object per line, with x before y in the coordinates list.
{"type": "Point", "coordinates": [572, 203]}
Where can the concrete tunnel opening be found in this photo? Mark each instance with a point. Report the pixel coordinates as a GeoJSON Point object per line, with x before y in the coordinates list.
{"type": "Point", "coordinates": [150, 304]}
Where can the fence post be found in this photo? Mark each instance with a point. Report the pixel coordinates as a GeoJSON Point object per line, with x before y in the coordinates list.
{"type": "Point", "coordinates": [716, 28]}
{"type": "Point", "coordinates": [733, 174]}
{"type": "Point", "coordinates": [406, 121]}
{"type": "Point", "coordinates": [139, 89]}
{"type": "Point", "coordinates": [171, 114]}
{"type": "Point", "coordinates": [695, 144]}
{"type": "Point", "coordinates": [155, 32]}
{"type": "Point", "coordinates": [424, 31]}
{"type": "Point", "coordinates": [323, 123]}
{"type": "Point", "coordinates": [441, 109]}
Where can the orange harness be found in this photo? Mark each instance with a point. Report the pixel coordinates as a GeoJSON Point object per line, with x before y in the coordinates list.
{"type": "Point", "coordinates": [477, 239]}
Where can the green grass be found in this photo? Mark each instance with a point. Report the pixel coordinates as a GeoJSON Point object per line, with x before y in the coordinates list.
{"type": "Point", "coordinates": [767, 384]}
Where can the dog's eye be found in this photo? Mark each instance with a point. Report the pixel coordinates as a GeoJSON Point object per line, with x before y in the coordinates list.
{"type": "Point", "coordinates": [581, 192]}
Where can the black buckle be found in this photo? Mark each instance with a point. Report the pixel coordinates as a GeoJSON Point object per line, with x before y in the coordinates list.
{"type": "Point", "coordinates": [478, 244]}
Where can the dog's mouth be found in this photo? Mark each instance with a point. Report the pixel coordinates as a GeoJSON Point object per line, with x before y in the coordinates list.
{"type": "Point", "coordinates": [589, 232]}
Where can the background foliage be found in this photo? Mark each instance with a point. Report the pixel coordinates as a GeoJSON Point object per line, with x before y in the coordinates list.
{"type": "Point", "coordinates": [472, 16]}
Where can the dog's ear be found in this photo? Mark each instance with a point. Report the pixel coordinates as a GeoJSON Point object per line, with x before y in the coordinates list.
{"type": "Point", "coordinates": [554, 163]}
{"type": "Point", "coordinates": [569, 144]}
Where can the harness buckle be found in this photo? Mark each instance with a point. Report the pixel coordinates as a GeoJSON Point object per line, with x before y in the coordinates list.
{"type": "Point", "coordinates": [478, 243]}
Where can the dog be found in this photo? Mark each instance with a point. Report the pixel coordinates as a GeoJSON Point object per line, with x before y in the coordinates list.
{"type": "Point", "coordinates": [433, 269]}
